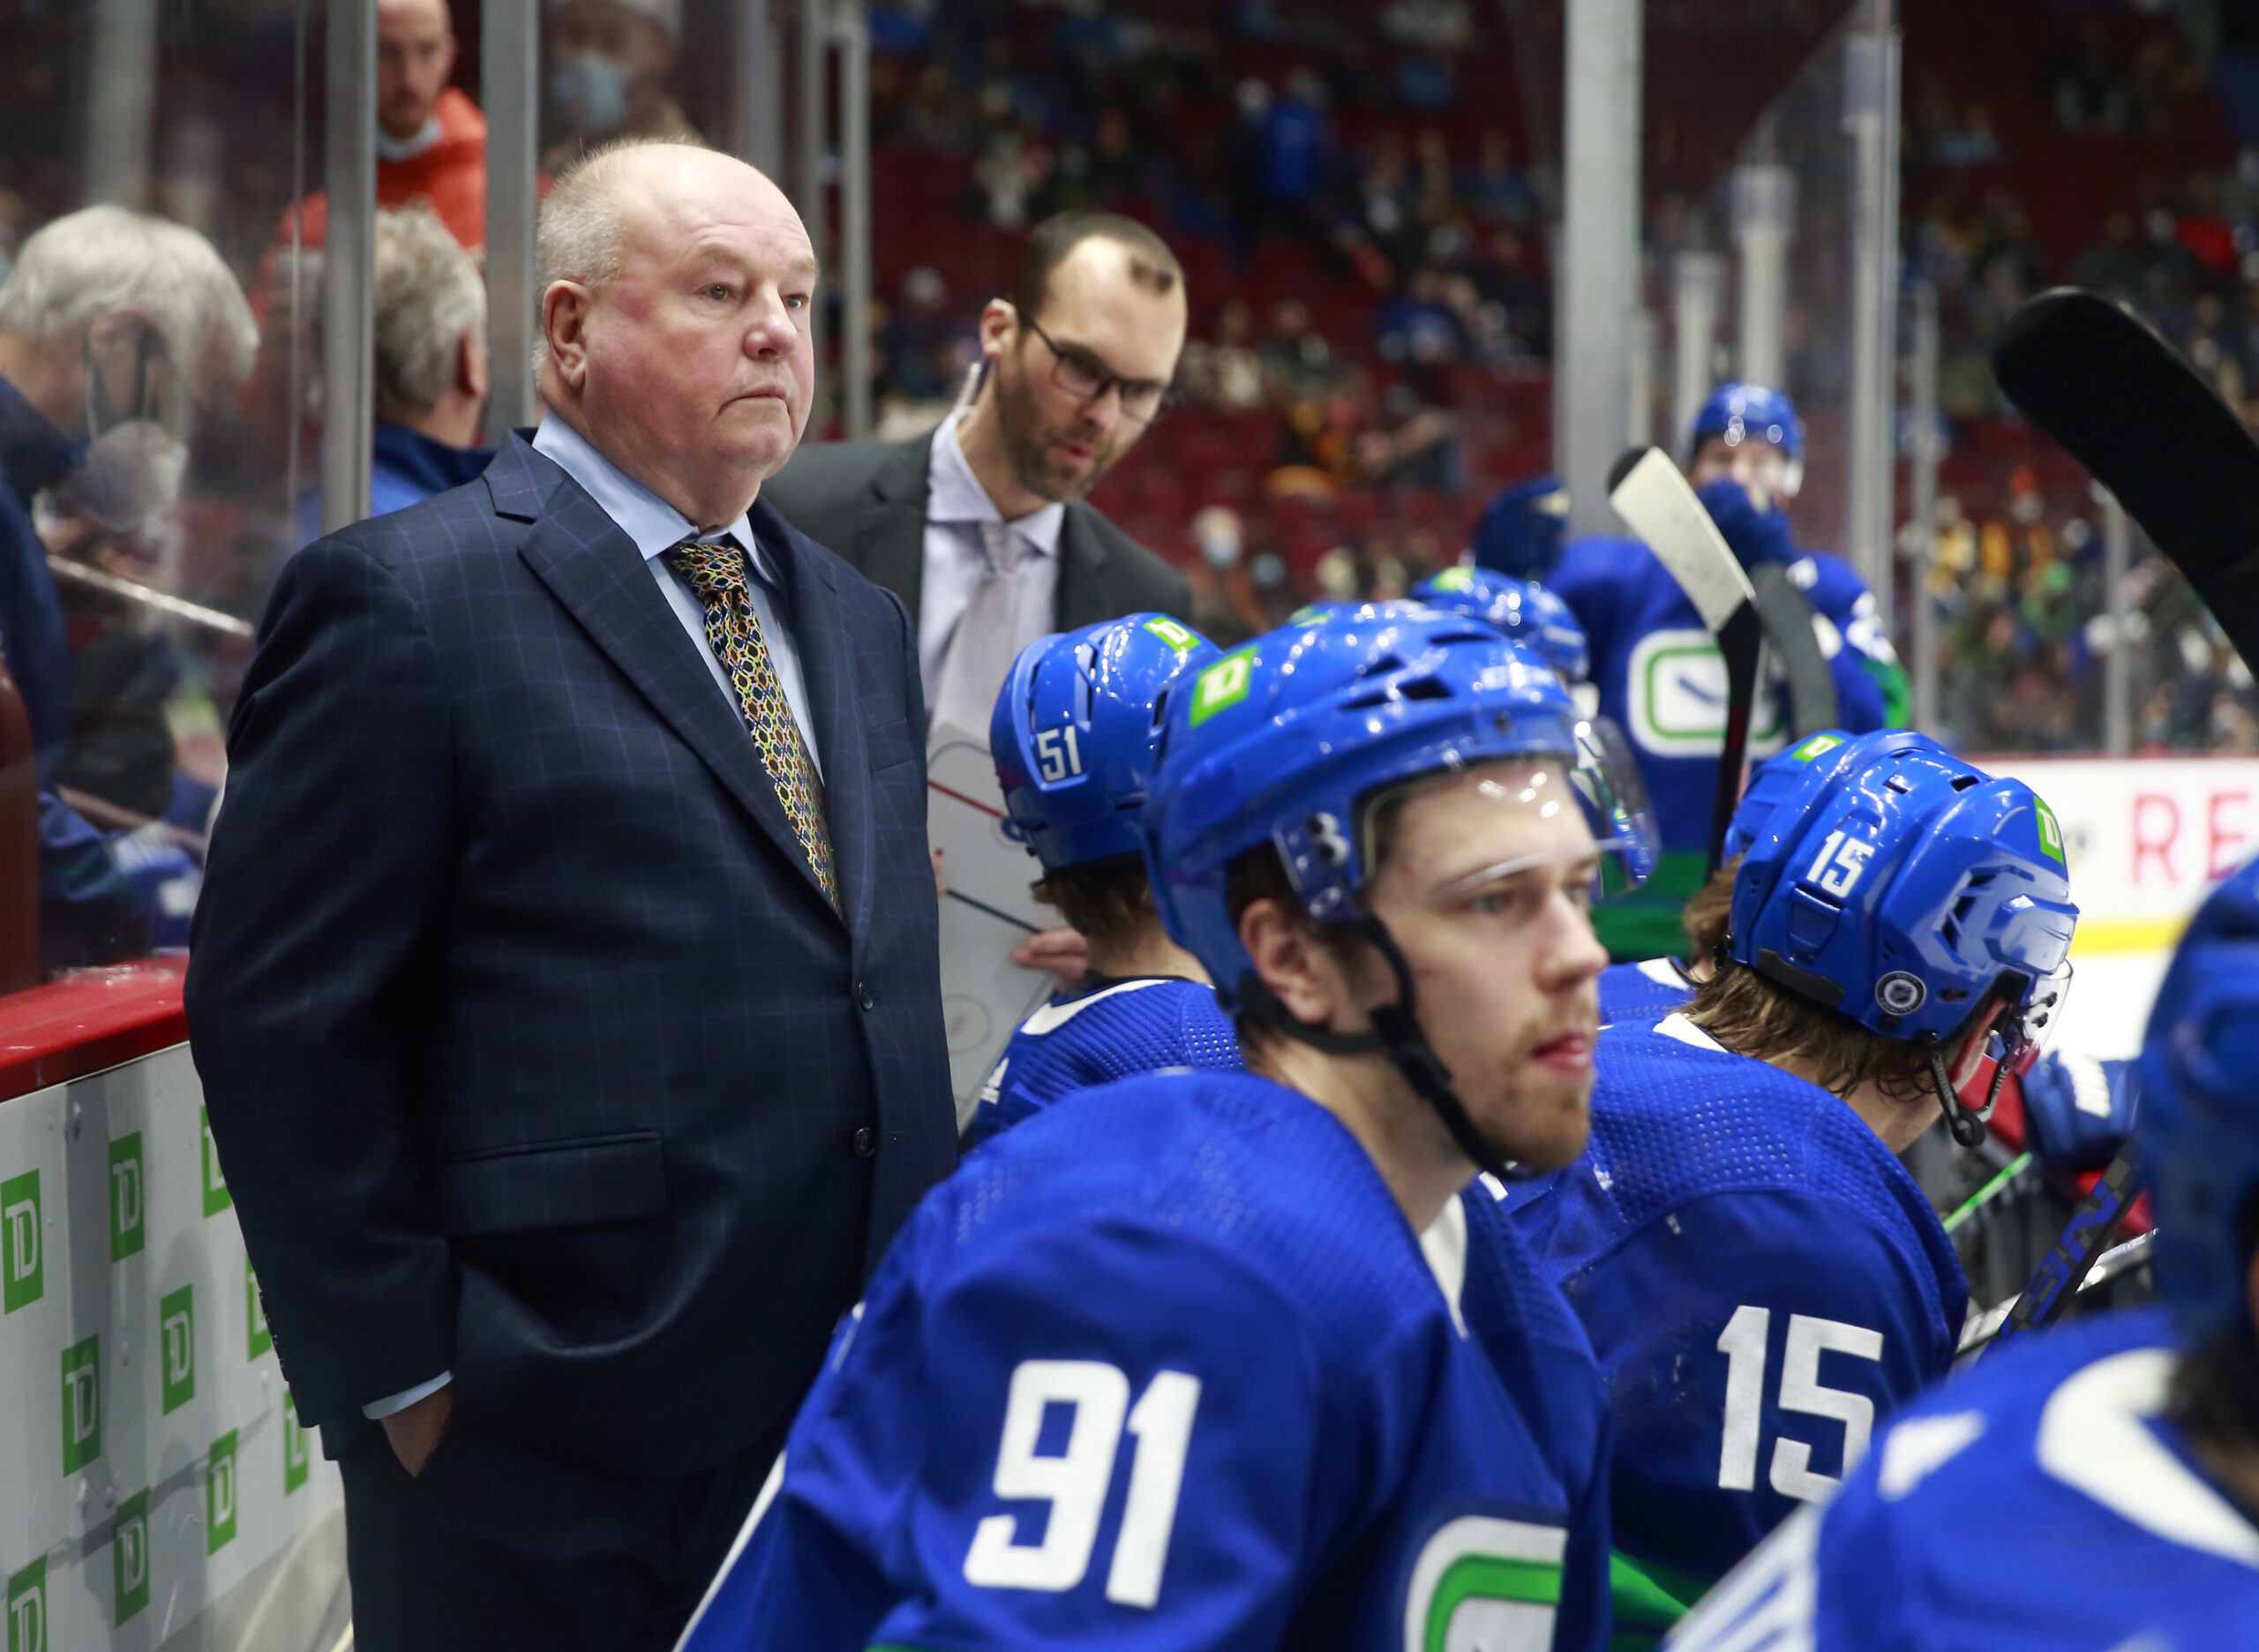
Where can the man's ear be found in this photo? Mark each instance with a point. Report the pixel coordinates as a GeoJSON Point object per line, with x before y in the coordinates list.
{"type": "Point", "coordinates": [473, 374]}
{"type": "Point", "coordinates": [1292, 961]}
{"type": "Point", "coordinates": [999, 322]}
{"type": "Point", "coordinates": [565, 308]}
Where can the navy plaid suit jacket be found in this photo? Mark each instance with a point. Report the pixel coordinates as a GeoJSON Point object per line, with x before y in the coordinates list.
{"type": "Point", "coordinates": [531, 1047]}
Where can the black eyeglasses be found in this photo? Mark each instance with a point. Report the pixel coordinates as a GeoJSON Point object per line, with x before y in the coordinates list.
{"type": "Point", "coordinates": [1086, 378]}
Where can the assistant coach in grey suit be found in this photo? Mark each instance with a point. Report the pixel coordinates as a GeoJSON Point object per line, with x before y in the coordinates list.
{"type": "Point", "coordinates": [564, 983]}
{"type": "Point", "coordinates": [981, 528]}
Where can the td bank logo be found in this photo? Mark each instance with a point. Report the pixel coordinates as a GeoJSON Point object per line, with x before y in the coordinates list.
{"type": "Point", "coordinates": [297, 1458]}
{"type": "Point", "coordinates": [82, 1404]}
{"type": "Point", "coordinates": [176, 1347]}
{"type": "Point", "coordinates": [126, 1230]}
{"type": "Point", "coordinates": [22, 1263]}
{"type": "Point", "coordinates": [258, 1338]}
{"type": "Point", "coordinates": [219, 1495]}
{"type": "Point", "coordinates": [216, 1197]}
{"type": "Point", "coordinates": [129, 1556]}
{"type": "Point", "coordinates": [28, 1609]}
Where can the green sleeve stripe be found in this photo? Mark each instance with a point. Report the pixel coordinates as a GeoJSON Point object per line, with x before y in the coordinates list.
{"type": "Point", "coordinates": [1897, 691]}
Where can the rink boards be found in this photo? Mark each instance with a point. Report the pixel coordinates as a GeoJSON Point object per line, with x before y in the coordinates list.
{"type": "Point", "coordinates": [150, 1461]}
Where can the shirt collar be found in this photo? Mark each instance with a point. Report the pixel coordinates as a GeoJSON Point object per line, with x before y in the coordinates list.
{"type": "Point", "coordinates": [954, 494]}
{"type": "Point", "coordinates": [655, 526]}
{"type": "Point", "coordinates": [399, 149]}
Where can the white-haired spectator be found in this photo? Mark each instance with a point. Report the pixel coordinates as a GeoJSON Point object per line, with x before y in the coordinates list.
{"type": "Point", "coordinates": [113, 325]}
{"type": "Point", "coordinates": [430, 366]}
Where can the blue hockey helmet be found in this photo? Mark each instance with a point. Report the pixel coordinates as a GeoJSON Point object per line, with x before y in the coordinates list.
{"type": "Point", "coordinates": [1743, 412]}
{"type": "Point", "coordinates": [1520, 535]}
{"type": "Point", "coordinates": [1285, 740]}
{"type": "Point", "coordinates": [2197, 1126]}
{"type": "Point", "coordinates": [1771, 781]}
{"type": "Point", "coordinates": [1523, 609]}
{"type": "Point", "coordinates": [1900, 886]}
{"type": "Point", "coordinates": [1073, 732]}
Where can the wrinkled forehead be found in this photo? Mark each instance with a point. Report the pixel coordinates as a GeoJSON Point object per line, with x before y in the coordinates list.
{"type": "Point", "coordinates": [672, 199]}
{"type": "Point", "coordinates": [1441, 828]}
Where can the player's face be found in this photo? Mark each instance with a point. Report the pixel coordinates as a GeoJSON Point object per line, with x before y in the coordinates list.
{"type": "Point", "coordinates": [1759, 466]}
{"type": "Point", "coordinates": [1506, 966]}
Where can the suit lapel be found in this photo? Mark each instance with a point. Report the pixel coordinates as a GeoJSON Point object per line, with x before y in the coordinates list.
{"type": "Point", "coordinates": [1083, 599]}
{"type": "Point", "coordinates": [890, 523]}
{"type": "Point", "coordinates": [595, 571]}
{"type": "Point", "coordinates": [829, 669]}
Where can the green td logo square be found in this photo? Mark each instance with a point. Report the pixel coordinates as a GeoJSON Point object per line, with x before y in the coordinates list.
{"type": "Point", "coordinates": [216, 1197]}
{"type": "Point", "coordinates": [298, 1456]}
{"type": "Point", "coordinates": [28, 1608]}
{"type": "Point", "coordinates": [2051, 833]}
{"type": "Point", "coordinates": [176, 1347]}
{"type": "Point", "coordinates": [219, 1495]}
{"type": "Point", "coordinates": [129, 1556]}
{"type": "Point", "coordinates": [261, 1338]}
{"type": "Point", "coordinates": [1177, 637]}
{"type": "Point", "coordinates": [126, 1230]}
{"type": "Point", "coordinates": [1222, 686]}
{"type": "Point", "coordinates": [22, 1260]}
{"type": "Point", "coordinates": [82, 1404]}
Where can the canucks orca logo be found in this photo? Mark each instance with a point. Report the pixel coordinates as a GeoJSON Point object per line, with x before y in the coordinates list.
{"type": "Point", "coordinates": [1485, 1584]}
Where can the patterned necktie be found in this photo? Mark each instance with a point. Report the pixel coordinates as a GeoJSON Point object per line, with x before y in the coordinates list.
{"type": "Point", "coordinates": [717, 573]}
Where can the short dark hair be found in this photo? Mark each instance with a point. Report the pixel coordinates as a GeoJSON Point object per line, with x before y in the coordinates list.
{"type": "Point", "coordinates": [1753, 1015]}
{"type": "Point", "coordinates": [1106, 900]}
{"type": "Point", "coordinates": [1152, 264]}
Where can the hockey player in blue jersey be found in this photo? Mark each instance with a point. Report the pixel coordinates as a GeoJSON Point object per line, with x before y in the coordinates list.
{"type": "Point", "coordinates": [1073, 737]}
{"type": "Point", "coordinates": [1760, 1277]}
{"type": "Point", "coordinates": [1168, 1367]}
{"type": "Point", "coordinates": [1525, 611]}
{"type": "Point", "coordinates": [1653, 987]}
{"type": "Point", "coordinates": [2096, 1487]}
{"type": "Point", "coordinates": [1659, 672]}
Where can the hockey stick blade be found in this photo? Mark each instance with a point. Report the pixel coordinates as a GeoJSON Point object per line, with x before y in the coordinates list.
{"type": "Point", "coordinates": [2066, 1267]}
{"type": "Point", "coordinates": [2129, 408]}
{"type": "Point", "coordinates": [1649, 493]}
{"type": "Point", "coordinates": [1787, 615]}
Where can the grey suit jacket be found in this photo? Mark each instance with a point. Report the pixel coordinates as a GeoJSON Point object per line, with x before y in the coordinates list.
{"type": "Point", "coordinates": [866, 502]}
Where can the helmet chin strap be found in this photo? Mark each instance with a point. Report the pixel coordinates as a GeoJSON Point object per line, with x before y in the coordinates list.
{"type": "Point", "coordinates": [1968, 1128]}
{"type": "Point", "coordinates": [1396, 1035]}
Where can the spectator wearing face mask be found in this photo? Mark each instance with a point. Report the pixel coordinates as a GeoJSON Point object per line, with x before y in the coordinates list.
{"type": "Point", "coordinates": [430, 138]}
{"type": "Point", "coordinates": [113, 326]}
{"type": "Point", "coordinates": [608, 64]}
{"type": "Point", "coordinates": [430, 365]}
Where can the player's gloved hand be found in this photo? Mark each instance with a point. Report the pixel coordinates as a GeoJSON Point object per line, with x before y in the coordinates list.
{"type": "Point", "coordinates": [2078, 1111]}
{"type": "Point", "coordinates": [1758, 533]}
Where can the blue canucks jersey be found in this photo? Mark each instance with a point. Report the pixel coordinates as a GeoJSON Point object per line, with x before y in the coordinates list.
{"type": "Point", "coordinates": [2039, 1503]}
{"type": "Point", "coordinates": [1761, 1278]}
{"type": "Point", "coordinates": [1644, 991]}
{"type": "Point", "coordinates": [1104, 1031]}
{"type": "Point", "coordinates": [1662, 678]}
{"type": "Point", "coordinates": [1167, 1368]}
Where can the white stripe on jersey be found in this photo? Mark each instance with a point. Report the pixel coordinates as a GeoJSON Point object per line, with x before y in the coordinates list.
{"type": "Point", "coordinates": [1051, 1017]}
{"type": "Point", "coordinates": [1765, 1603]}
{"type": "Point", "coordinates": [2094, 1437]}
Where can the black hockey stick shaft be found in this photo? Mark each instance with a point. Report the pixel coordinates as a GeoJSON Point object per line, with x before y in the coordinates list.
{"type": "Point", "coordinates": [1739, 641]}
{"type": "Point", "coordinates": [2084, 1239]}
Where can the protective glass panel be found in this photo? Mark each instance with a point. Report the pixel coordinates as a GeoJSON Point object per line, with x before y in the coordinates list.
{"type": "Point", "coordinates": [158, 414]}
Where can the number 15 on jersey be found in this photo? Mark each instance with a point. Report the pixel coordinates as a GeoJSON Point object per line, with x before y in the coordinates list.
{"type": "Point", "coordinates": [1075, 1480]}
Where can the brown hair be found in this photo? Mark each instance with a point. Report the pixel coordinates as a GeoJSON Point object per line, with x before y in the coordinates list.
{"type": "Point", "coordinates": [1152, 264]}
{"type": "Point", "coordinates": [1103, 902]}
{"type": "Point", "coordinates": [1753, 1015]}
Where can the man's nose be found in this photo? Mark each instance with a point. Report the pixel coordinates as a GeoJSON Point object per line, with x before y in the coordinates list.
{"type": "Point", "coordinates": [771, 332]}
